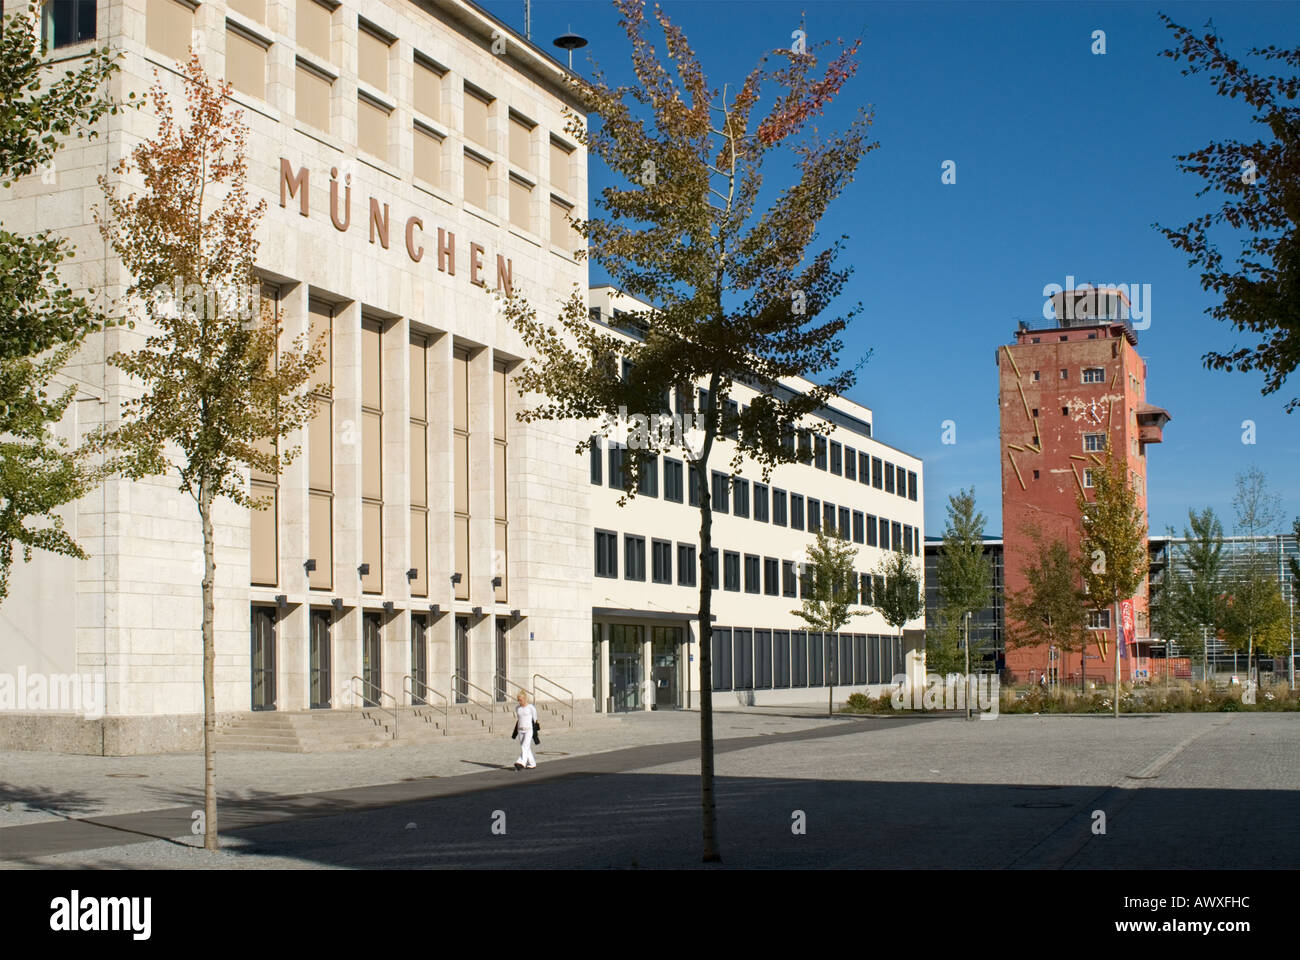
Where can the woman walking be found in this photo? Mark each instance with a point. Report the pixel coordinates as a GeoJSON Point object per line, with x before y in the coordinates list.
{"type": "Point", "coordinates": [525, 718]}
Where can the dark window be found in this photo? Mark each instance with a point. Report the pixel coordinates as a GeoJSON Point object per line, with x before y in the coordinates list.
{"type": "Point", "coordinates": [694, 477]}
{"type": "Point", "coordinates": [685, 565]}
{"type": "Point", "coordinates": [66, 22]}
{"type": "Point", "coordinates": [911, 484]}
{"type": "Point", "coordinates": [907, 538]}
{"type": "Point", "coordinates": [596, 460]}
{"type": "Point", "coordinates": [814, 515]}
{"type": "Point", "coordinates": [819, 452]}
{"type": "Point", "coordinates": [771, 576]}
{"type": "Point", "coordinates": [844, 522]}
{"type": "Point", "coordinates": [731, 570]}
{"type": "Point", "coordinates": [704, 401]}
{"type": "Point", "coordinates": [740, 499]}
{"type": "Point", "coordinates": [859, 531]}
{"type": "Point", "coordinates": [721, 658]}
{"type": "Point", "coordinates": [788, 579]}
{"type": "Point", "coordinates": [850, 464]}
{"type": "Point", "coordinates": [859, 658]}
{"type": "Point", "coordinates": [685, 395]}
{"type": "Point", "coordinates": [763, 659]}
{"type": "Point", "coordinates": [884, 534]}
{"type": "Point", "coordinates": [743, 645]}
{"type": "Point", "coordinates": [828, 518]}
{"type": "Point", "coordinates": [837, 458]}
{"type": "Point", "coordinates": [778, 507]}
{"type": "Point", "coordinates": [616, 466]}
{"type": "Point", "coordinates": [889, 478]}
{"type": "Point", "coordinates": [661, 556]}
{"type": "Point", "coordinates": [633, 557]}
{"type": "Point", "coordinates": [805, 581]}
{"type": "Point", "coordinates": [720, 487]}
{"type": "Point", "coordinates": [878, 587]}
{"type": "Point", "coordinates": [805, 447]}
{"type": "Point", "coordinates": [871, 530]}
{"type": "Point", "coordinates": [864, 468]}
{"type": "Point", "coordinates": [798, 658]}
{"type": "Point", "coordinates": [672, 480]}
{"type": "Point", "coordinates": [760, 502]}
{"type": "Point", "coordinates": [864, 587]}
{"type": "Point", "coordinates": [713, 569]}
{"type": "Point", "coordinates": [877, 473]}
{"type": "Point", "coordinates": [815, 650]}
{"type": "Point", "coordinates": [781, 658]}
{"type": "Point", "coordinates": [731, 420]}
{"type": "Point", "coordinates": [796, 511]}
{"type": "Point", "coordinates": [896, 535]}
{"type": "Point", "coordinates": [752, 579]}
{"type": "Point", "coordinates": [606, 553]}
{"type": "Point", "coordinates": [648, 481]}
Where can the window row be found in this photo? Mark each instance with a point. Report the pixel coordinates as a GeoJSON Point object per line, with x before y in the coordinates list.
{"type": "Point", "coordinates": [745, 658]}
{"type": "Point", "coordinates": [741, 572]}
{"type": "Point", "coordinates": [1086, 374]}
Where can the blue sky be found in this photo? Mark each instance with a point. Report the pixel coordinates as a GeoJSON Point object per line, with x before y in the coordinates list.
{"type": "Point", "coordinates": [1064, 160]}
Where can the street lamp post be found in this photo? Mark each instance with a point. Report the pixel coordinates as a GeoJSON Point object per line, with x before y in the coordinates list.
{"type": "Point", "coordinates": [968, 686]}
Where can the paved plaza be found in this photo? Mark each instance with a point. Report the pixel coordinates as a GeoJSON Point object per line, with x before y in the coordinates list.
{"type": "Point", "coordinates": [1214, 791]}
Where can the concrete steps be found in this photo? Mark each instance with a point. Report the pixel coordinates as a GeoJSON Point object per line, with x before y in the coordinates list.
{"type": "Point", "coordinates": [319, 731]}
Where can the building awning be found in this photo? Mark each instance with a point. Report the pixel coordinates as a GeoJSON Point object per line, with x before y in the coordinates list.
{"type": "Point", "coordinates": [618, 613]}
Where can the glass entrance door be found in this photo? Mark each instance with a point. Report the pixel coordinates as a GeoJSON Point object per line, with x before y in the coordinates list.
{"type": "Point", "coordinates": [262, 658]}
{"type": "Point", "coordinates": [371, 665]}
{"type": "Point", "coordinates": [665, 666]}
{"type": "Point", "coordinates": [462, 658]}
{"type": "Point", "coordinates": [503, 663]}
{"type": "Point", "coordinates": [318, 656]}
{"type": "Point", "coordinates": [419, 660]}
{"type": "Point", "coordinates": [625, 673]}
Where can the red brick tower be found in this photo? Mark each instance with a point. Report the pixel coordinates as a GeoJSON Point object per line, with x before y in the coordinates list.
{"type": "Point", "coordinates": [1066, 387]}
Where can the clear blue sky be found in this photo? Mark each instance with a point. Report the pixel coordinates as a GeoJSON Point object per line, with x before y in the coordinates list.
{"type": "Point", "coordinates": [1064, 162]}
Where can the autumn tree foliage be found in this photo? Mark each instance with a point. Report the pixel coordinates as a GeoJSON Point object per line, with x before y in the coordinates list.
{"type": "Point", "coordinates": [738, 277]}
{"type": "Point", "coordinates": [42, 319]}
{"type": "Point", "coordinates": [1259, 182]}
{"type": "Point", "coordinates": [220, 391]}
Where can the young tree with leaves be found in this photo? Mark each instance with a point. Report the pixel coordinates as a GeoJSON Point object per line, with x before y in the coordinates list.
{"type": "Point", "coordinates": [833, 588]}
{"type": "Point", "coordinates": [737, 294]}
{"type": "Point", "coordinates": [1052, 609]}
{"type": "Point", "coordinates": [1258, 510]}
{"type": "Point", "coordinates": [41, 320]}
{"type": "Point", "coordinates": [901, 599]}
{"type": "Point", "coordinates": [1186, 606]}
{"type": "Point", "coordinates": [1113, 543]}
{"type": "Point", "coordinates": [965, 574]}
{"type": "Point", "coordinates": [1260, 184]}
{"type": "Point", "coordinates": [220, 391]}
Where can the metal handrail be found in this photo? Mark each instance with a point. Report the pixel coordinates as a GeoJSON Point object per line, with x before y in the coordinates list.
{"type": "Point", "coordinates": [426, 689]}
{"type": "Point", "coordinates": [516, 686]}
{"type": "Point", "coordinates": [488, 706]}
{"type": "Point", "coordinates": [538, 676]}
{"type": "Point", "coordinates": [378, 705]}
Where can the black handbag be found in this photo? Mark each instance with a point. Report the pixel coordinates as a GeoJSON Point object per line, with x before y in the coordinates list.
{"type": "Point", "coordinates": [537, 728]}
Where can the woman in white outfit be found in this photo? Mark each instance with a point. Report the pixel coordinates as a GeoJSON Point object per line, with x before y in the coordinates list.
{"type": "Point", "coordinates": [526, 716]}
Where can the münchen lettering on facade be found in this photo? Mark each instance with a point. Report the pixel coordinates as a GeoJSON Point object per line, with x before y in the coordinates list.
{"type": "Point", "coordinates": [296, 185]}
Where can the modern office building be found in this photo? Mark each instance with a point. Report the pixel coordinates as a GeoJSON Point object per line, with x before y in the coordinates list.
{"type": "Point", "coordinates": [414, 159]}
{"type": "Point", "coordinates": [645, 591]}
{"type": "Point", "coordinates": [1069, 388]}
{"type": "Point", "coordinates": [1168, 555]}
{"type": "Point", "coordinates": [987, 626]}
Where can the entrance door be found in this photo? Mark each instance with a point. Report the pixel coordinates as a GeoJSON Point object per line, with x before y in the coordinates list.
{"type": "Point", "coordinates": [665, 666]}
{"type": "Point", "coordinates": [503, 663]}
{"type": "Point", "coordinates": [318, 657]}
{"type": "Point", "coordinates": [371, 663]}
{"type": "Point", "coordinates": [419, 660]}
{"type": "Point", "coordinates": [462, 658]}
{"type": "Point", "coordinates": [262, 658]}
{"type": "Point", "coordinates": [625, 674]}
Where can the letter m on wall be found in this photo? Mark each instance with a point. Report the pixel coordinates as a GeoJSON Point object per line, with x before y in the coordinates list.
{"type": "Point", "coordinates": [292, 185]}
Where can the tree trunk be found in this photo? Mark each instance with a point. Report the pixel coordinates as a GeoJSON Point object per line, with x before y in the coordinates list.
{"type": "Point", "coordinates": [210, 841]}
{"type": "Point", "coordinates": [708, 807]}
